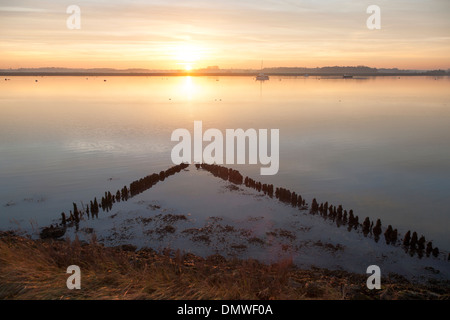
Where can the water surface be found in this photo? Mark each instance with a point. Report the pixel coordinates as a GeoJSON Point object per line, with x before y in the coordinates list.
{"type": "Point", "coordinates": [379, 146]}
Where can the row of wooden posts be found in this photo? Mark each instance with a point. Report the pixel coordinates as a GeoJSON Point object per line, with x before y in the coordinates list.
{"type": "Point", "coordinates": [411, 243]}
{"type": "Point", "coordinates": [107, 201]}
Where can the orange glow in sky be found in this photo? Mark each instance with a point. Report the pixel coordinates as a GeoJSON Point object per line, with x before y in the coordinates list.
{"type": "Point", "coordinates": [187, 35]}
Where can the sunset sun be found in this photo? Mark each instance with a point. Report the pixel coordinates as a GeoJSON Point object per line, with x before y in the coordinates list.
{"type": "Point", "coordinates": [187, 56]}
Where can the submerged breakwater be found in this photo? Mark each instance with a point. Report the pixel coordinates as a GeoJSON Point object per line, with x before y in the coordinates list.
{"type": "Point", "coordinates": [411, 242]}
{"type": "Point", "coordinates": [107, 201]}
{"type": "Point", "coordinates": [340, 216]}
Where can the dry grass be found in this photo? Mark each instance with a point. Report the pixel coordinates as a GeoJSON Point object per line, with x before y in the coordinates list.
{"type": "Point", "coordinates": [35, 269]}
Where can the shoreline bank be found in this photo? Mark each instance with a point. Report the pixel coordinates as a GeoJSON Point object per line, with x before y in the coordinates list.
{"type": "Point", "coordinates": [36, 269]}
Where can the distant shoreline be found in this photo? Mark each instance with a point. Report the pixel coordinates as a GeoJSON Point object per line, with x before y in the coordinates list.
{"type": "Point", "coordinates": [221, 74]}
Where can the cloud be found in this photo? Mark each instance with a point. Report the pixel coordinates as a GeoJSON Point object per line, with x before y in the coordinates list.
{"type": "Point", "coordinates": [22, 9]}
{"type": "Point", "coordinates": [303, 33]}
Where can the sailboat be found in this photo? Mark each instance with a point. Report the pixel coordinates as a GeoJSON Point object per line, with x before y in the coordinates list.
{"type": "Point", "coordinates": [261, 76]}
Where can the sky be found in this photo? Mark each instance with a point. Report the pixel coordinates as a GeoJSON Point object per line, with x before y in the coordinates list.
{"type": "Point", "coordinates": [183, 34]}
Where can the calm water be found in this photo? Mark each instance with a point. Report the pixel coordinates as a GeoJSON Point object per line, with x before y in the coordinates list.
{"type": "Point", "coordinates": [379, 146]}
